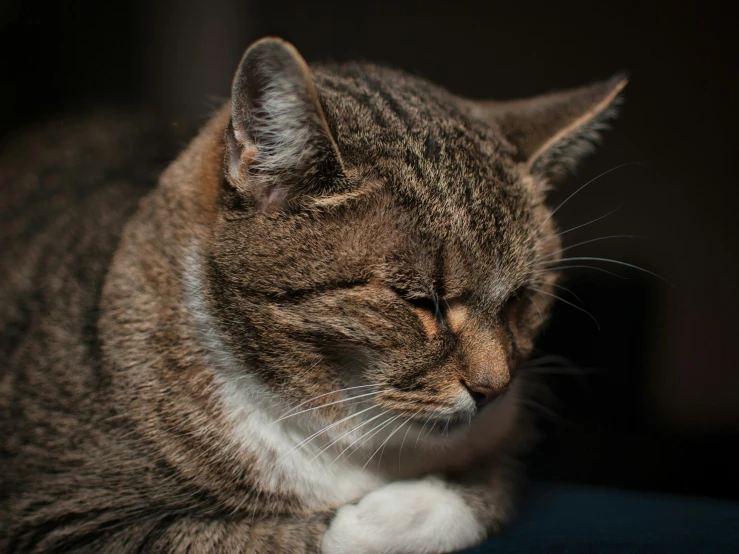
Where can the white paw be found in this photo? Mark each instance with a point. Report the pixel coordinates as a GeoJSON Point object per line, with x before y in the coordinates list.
{"type": "Point", "coordinates": [405, 517]}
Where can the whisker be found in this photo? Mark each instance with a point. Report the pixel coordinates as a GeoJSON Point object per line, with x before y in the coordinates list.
{"type": "Point", "coordinates": [327, 405]}
{"type": "Point", "coordinates": [382, 446]}
{"type": "Point", "coordinates": [303, 443]}
{"type": "Point", "coordinates": [431, 429]}
{"type": "Point", "coordinates": [606, 260]}
{"type": "Point", "coordinates": [383, 442]}
{"type": "Point", "coordinates": [579, 267]}
{"type": "Point", "coordinates": [380, 426]}
{"type": "Point", "coordinates": [562, 287]}
{"type": "Point", "coordinates": [537, 307]}
{"type": "Point", "coordinates": [421, 431]}
{"type": "Point", "coordinates": [570, 304]}
{"type": "Point", "coordinates": [320, 432]}
{"type": "Point", "coordinates": [570, 247]}
{"type": "Point", "coordinates": [322, 395]}
{"type": "Point", "coordinates": [400, 451]}
{"type": "Point", "coordinates": [555, 210]}
{"type": "Point", "coordinates": [349, 432]}
{"type": "Point", "coordinates": [614, 210]}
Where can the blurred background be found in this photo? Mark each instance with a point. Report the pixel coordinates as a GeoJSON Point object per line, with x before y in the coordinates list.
{"type": "Point", "coordinates": [654, 401]}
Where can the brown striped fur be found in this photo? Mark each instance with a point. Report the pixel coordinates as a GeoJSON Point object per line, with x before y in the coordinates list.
{"type": "Point", "coordinates": [345, 226]}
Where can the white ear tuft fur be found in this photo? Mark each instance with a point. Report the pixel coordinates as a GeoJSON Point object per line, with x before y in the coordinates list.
{"type": "Point", "coordinates": [552, 132]}
{"type": "Point", "coordinates": [278, 139]}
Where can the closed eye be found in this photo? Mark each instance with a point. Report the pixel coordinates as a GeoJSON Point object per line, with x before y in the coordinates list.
{"type": "Point", "coordinates": [429, 306]}
{"type": "Point", "coordinates": [429, 314]}
{"type": "Point", "coordinates": [425, 304]}
{"type": "Point", "coordinates": [432, 312]}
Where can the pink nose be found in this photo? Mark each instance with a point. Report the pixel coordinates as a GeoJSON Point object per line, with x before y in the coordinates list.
{"type": "Point", "coordinates": [482, 394]}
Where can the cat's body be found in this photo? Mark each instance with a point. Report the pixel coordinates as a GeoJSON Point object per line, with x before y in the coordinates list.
{"type": "Point", "coordinates": [369, 236]}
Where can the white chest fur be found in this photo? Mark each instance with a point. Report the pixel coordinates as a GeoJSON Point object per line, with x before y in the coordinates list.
{"type": "Point", "coordinates": [285, 454]}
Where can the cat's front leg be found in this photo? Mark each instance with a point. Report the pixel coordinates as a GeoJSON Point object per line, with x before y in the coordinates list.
{"type": "Point", "coordinates": [429, 515]}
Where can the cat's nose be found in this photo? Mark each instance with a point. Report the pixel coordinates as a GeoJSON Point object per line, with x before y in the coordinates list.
{"type": "Point", "coordinates": [483, 394]}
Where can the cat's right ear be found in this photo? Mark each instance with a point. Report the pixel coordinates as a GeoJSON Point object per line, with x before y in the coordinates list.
{"type": "Point", "coordinates": [278, 142]}
{"type": "Point", "coordinates": [552, 132]}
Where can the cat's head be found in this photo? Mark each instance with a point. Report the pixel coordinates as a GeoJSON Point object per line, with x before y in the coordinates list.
{"type": "Point", "coordinates": [378, 234]}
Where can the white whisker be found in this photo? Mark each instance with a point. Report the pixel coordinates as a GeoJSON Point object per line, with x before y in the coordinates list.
{"type": "Point", "coordinates": [377, 430]}
{"type": "Point", "coordinates": [380, 425]}
{"type": "Point", "coordinates": [583, 310]}
{"type": "Point", "coordinates": [320, 432]}
{"type": "Point", "coordinates": [382, 446]}
{"type": "Point", "coordinates": [605, 260]}
{"type": "Point", "coordinates": [322, 395]}
{"type": "Point", "coordinates": [421, 431]}
{"type": "Point", "coordinates": [400, 451]}
{"type": "Point", "coordinates": [585, 242]}
{"type": "Point", "coordinates": [541, 316]}
{"type": "Point", "coordinates": [349, 432]}
{"type": "Point", "coordinates": [327, 405]}
{"type": "Point", "coordinates": [551, 269]}
{"type": "Point", "coordinates": [561, 287]}
{"type": "Point", "coordinates": [614, 210]}
{"type": "Point", "coordinates": [378, 448]}
{"type": "Point", "coordinates": [555, 210]}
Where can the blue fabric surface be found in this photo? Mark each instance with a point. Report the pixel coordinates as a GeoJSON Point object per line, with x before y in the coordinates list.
{"type": "Point", "coordinates": [580, 520]}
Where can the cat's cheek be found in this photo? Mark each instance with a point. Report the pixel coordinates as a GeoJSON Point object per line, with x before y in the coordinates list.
{"type": "Point", "coordinates": [420, 516]}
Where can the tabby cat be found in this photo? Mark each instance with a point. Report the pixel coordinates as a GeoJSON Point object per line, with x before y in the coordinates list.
{"type": "Point", "coordinates": [303, 338]}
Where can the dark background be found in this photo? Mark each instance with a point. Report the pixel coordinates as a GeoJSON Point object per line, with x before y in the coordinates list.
{"type": "Point", "coordinates": [654, 403]}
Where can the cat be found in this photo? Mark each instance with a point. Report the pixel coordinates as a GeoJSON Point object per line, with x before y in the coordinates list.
{"type": "Point", "coordinates": [304, 338]}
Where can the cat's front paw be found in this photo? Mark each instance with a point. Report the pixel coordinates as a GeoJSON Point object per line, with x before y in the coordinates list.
{"type": "Point", "coordinates": [405, 517]}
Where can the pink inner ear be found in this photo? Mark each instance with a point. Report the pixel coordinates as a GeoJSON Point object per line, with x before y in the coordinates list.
{"type": "Point", "coordinates": [272, 199]}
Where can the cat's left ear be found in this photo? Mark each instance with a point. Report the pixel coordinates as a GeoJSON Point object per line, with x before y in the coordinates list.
{"type": "Point", "coordinates": [552, 132]}
{"type": "Point", "coordinates": [278, 142]}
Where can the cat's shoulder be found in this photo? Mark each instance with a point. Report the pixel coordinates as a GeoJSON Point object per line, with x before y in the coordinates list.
{"type": "Point", "coordinates": [67, 187]}
{"type": "Point", "coordinates": [64, 165]}
{"type": "Point", "coordinates": [75, 149]}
